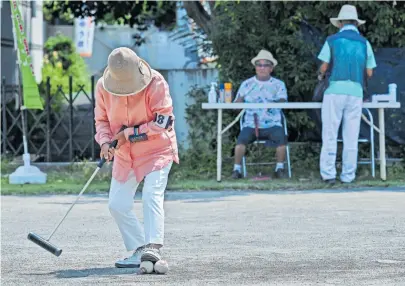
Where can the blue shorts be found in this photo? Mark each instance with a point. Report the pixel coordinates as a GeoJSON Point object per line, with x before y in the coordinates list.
{"type": "Point", "coordinates": [274, 136]}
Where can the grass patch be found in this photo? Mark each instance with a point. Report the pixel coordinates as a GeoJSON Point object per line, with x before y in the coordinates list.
{"type": "Point", "coordinates": [71, 179]}
{"type": "Point", "coordinates": [74, 186]}
{"type": "Point", "coordinates": [198, 185]}
{"type": "Point", "coordinates": [52, 188]}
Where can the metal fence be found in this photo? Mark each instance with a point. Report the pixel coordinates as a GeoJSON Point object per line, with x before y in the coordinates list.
{"type": "Point", "coordinates": [63, 131]}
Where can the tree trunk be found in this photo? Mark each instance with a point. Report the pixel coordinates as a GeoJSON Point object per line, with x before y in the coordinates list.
{"type": "Point", "coordinates": [197, 12]}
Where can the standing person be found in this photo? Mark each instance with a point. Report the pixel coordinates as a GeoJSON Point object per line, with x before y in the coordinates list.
{"type": "Point", "coordinates": [350, 58]}
{"type": "Point", "coordinates": [130, 93]}
{"type": "Point", "coordinates": [262, 88]}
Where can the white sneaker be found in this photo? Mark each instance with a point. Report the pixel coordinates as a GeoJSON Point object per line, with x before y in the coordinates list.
{"type": "Point", "coordinates": [151, 254]}
{"type": "Point", "coordinates": [134, 261]}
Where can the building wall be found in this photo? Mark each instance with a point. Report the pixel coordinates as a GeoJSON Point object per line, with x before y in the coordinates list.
{"type": "Point", "coordinates": [159, 49]}
{"type": "Point", "coordinates": [32, 18]}
{"type": "Point", "coordinates": [8, 56]}
{"type": "Point", "coordinates": [37, 40]}
{"type": "Point", "coordinates": [180, 82]}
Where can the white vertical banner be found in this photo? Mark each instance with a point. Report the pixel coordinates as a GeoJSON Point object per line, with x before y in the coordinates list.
{"type": "Point", "coordinates": [84, 36]}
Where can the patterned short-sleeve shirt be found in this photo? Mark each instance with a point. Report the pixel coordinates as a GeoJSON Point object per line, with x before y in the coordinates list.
{"type": "Point", "coordinates": [255, 91]}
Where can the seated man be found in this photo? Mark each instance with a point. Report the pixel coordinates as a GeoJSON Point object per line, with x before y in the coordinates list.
{"type": "Point", "coordinates": [266, 123]}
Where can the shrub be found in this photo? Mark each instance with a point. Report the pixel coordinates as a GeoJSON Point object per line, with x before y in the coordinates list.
{"type": "Point", "coordinates": [62, 61]}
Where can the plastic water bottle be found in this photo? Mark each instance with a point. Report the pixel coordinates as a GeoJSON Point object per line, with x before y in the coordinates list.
{"type": "Point", "coordinates": [212, 95]}
{"type": "Point", "coordinates": [221, 93]}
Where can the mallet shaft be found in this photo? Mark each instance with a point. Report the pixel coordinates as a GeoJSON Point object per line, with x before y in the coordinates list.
{"type": "Point", "coordinates": [78, 197]}
{"type": "Point", "coordinates": [45, 243]}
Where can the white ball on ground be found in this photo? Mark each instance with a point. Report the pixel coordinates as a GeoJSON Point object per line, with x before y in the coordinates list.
{"type": "Point", "coordinates": [146, 267]}
{"type": "Point", "coordinates": [161, 267]}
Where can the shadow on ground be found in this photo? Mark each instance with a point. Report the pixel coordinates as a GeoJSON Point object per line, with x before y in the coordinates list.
{"type": "Point", "coordinates": [103, 271]}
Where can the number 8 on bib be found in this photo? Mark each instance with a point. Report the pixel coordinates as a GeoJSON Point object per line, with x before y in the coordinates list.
{"type": "Point", "coordinates": [163, 121]}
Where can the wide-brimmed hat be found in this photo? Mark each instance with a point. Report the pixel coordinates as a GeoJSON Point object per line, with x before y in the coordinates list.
{"type": "Point", "coordinates": [347, 12]}
{"type": "Point", "coordinates": [126, 73]}
{"type": "Point", "coordinates": [264, 55]}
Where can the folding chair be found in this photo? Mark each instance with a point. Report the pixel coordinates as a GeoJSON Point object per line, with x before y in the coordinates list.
{"type": "Point", "coordinates": [288, 162]}
{"type": "Point", "coordinates": [367, 140]}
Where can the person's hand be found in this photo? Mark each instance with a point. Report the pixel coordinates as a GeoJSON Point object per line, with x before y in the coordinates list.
{"type": "Point", "coordinates": [106, 152]}
{"type": "Point", "coordinates": [120, 137]}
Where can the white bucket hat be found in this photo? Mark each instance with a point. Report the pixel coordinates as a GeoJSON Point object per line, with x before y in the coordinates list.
{"type": "Point", "coordinates": [347, 12]}
{"type": "Point", "coordinates": [264, 55]}
{"type": "Point", "coordinates": [126, 73]}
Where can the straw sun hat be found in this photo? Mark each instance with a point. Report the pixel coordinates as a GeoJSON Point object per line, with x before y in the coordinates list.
{"type": "Point", "coordinates": [126, 73]}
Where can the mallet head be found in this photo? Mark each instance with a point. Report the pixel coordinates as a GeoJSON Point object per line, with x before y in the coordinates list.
{"type": "Point", "coordinates": [44, 244]}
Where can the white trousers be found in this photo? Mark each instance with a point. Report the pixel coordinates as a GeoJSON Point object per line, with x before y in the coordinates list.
{"type": "Point", "coordinates": [336, 107]}
{"type": "Point", "coordinates": [121, 201]}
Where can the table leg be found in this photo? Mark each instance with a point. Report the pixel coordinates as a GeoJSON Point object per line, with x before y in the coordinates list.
{"type": "Point", "coordinates": [383, 170]}
{"type": "Point", "coordinates": [219, 145]}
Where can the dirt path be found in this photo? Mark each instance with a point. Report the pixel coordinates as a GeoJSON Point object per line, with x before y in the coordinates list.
{"type": "Point", "coordinates": [217, 238]}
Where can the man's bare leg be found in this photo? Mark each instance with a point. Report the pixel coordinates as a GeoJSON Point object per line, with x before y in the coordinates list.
{"type": "Point", "coordinates": [240, 151]}
{"type": "Point", "coordinates": [280, 154]}
{"type": "Point", "coordinates": [280, 157]}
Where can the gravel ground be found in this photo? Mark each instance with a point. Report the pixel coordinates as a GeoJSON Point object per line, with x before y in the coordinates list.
{"type": "Point", "coordinates": [217, 238]}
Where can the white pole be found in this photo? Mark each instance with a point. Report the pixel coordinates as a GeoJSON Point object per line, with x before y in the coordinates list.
{"type": "Point", "coordinates": [26, 156]}
{"type": "Point", "coordinates": [383, 170]}
{"type": "Point", "coordinates": [27, 173]}
{"type": "Point", "coordinates": [219, 145]}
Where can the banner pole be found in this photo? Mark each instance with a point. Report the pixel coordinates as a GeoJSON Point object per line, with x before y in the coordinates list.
{"type": "Point", "coordinates": [26, 173]}
{"type": "Point", "coordinates": [21, 98]}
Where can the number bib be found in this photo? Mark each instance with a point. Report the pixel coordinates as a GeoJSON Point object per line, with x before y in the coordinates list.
{"type": "Point", "coordinates": [163, 121]}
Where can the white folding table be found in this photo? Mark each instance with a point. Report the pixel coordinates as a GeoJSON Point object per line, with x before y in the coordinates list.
{"type": "Point", "coordinates": [296, 105]}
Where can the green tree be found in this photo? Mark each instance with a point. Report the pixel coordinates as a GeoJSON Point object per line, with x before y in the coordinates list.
{"type": "Point", "coordinates": [62, 61]}
{"type": "Point", "coordinates": [139, 14]}
{"type": "Point", "coordinates": [237, 30]}
{"type": "Point", "coordinates": [294, 33]}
